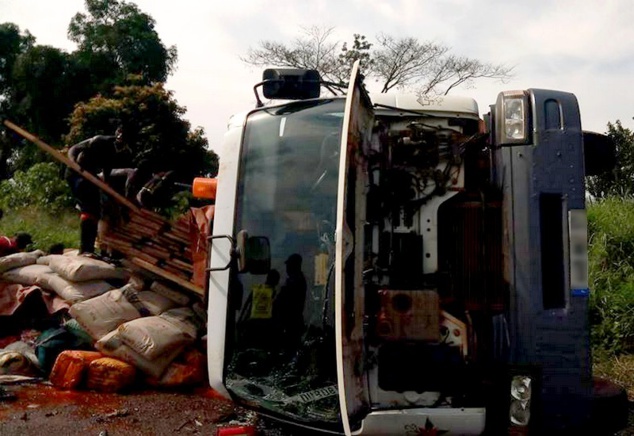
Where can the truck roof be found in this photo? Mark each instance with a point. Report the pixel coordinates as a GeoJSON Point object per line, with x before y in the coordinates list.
{"type": "Point", "coordinates": [446, 105]}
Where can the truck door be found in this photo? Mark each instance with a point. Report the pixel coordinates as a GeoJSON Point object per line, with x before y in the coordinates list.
{"type": "Point", "coordinates": [271, 318]}
{"type": "Point", "coordinates": [349, 290]}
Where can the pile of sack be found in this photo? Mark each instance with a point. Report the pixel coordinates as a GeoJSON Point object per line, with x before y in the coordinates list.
{"type": "Point", "coordinates": [116, 329]}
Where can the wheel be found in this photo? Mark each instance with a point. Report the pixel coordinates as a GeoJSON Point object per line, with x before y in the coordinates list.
{"type": "Point", "coordinates": [610, 407]}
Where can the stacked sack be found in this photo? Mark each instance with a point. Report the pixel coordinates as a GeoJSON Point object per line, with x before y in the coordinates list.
{"type": "Point", "coordinates": [72, 278]}
{"type": "Point", "coordinates": [145, 328]}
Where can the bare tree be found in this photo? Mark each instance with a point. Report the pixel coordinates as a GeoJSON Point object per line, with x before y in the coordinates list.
{"type": "Point", "coordinates": [313, 50]}
{"type": "Point", "coordinates": [452, 71]}
{"type": "Point", "coordinates": [402, 63]}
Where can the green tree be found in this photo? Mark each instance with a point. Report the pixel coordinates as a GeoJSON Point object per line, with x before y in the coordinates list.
{"type": "Point", "coordinates": [403, 63]}
{"type": "Point", "coordinates": [13, 42]}
{"type": "Point", "coordinates": [154, 127]}
{"type": "Point", "coordinates": [43, 92]}
{"type": "Point", "coordinates": [117, 34]}
{"type": "Point", "coordinates": [620, 181]}
{"type": "Point", "coordinates": [40, 85]}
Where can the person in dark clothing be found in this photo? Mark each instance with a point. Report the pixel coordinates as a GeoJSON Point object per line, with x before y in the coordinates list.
{"type": "Point", "coordinates": [15, 244]}
{"type": "Point", "coordinates": [288, 306]}
{"type": "Point", "coordinates": [99, 154]}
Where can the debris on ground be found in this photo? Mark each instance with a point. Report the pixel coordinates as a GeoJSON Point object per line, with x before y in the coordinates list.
{"type": "Point", "coordinates": [130, 319]}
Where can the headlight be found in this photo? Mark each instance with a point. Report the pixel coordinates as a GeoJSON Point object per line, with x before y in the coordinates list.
{"type": "Point", "coordinates": [520, 407]}
{"type": "Point", "coordinates": [521, 388]}
{"type": "Point", "coordinates": [520, 412]}
{"type": "Point", "coordinates": [512, 118]}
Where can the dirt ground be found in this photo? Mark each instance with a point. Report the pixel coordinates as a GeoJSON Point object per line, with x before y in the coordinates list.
{"type": "Point", "coordinates": [42, 409]}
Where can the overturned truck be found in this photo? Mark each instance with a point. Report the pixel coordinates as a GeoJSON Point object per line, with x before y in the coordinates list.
{"type": "Point", "coordinates": [393, 264]}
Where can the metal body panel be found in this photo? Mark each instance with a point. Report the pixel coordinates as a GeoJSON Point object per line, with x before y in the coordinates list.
{"type": "Point", "coordinates": [467, 421]}
{"type": "Point", "coordinates": [220, 256]}
{"type": "Point", "coordinates": [358, 118]}
{"type": "Point", "coordinates": [446, 105]}
{"type": "Point", "coordinates": [556, 339]}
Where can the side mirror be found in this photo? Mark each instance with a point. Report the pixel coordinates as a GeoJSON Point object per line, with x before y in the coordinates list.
{"type": "Point", "coordinates": [599, 153]}
{"type": "Point", "coordinates": [254, 253]}
{"type": "Point", "coordinates": [290, 83]}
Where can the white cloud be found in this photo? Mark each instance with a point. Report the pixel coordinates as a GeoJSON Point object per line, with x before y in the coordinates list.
{"type": "Point", "coordinates": [580, 46]}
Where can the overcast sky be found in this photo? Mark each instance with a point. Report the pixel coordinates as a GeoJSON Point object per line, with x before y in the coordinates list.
{"type": "Point", "coordinates": [580, 46]}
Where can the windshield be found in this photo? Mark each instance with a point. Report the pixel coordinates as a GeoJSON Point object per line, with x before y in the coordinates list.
{"type": "Point", "coordinates": [282, 356]}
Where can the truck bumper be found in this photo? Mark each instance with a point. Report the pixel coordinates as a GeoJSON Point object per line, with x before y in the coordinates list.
{"type": "Point", "coordinates": [450, 421]}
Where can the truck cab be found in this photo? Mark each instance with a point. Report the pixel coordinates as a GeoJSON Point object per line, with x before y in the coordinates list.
{"type": "Point", "coordinates": [394, 264]}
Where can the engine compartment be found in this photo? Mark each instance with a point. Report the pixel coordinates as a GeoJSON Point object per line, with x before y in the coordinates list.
{"type": "Point", "coordinates": [431, 203]}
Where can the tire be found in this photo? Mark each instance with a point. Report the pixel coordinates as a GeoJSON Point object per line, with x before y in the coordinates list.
{"type": "Point", "coordinates": [610, 407]}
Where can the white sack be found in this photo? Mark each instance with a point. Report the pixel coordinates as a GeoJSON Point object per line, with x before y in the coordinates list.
{"type": "Point", "coordinates": [103, 314]}
{"type": "Point", "coordinates": [185, 319]}
{"type": "Point", "coordinates": [112, 345]}
{"type": "Point", "coordinates": [26, 275]}
{"type": "Point", "coordinates": [80, 268]}
{"type": "Point", "coordinates": [153, 336]}
{"type": "Point", "coordinates": [73, 292]}
{"type": "Point", "coordinates": [155, 303]}
{"type": "Point", "coordinates": [170, 293]}
{"type": "Point", "coordinates": [17, 260]}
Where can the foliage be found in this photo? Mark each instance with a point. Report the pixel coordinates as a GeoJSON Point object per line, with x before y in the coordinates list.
{"type": "Point", "coordinates": [40, 85]}
{"type": "Point", "coordinates": [153, 127]}
{"type": "Point", "coordinates": [611, 237]}
{"type": "Point", "coordinates": [39, 186]}
{"type": "Point", "coordinates": [117, 33]}
{"type": "Point", "coordinates": [360, 51]}
{"type": "Point", "coordinates": [43, 91]}
{"type": "Point", "coordinates": [424, 66]}
{"type": "Point", "coordinates": [619, 181]}
{"type": "Point", "coordinates": [13, 42]}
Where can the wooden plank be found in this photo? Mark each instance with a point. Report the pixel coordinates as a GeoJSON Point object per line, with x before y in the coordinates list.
{"type": "Point", "coordinates": [69, 163]}
{"type": "Point", "coordinates": [169, 276]}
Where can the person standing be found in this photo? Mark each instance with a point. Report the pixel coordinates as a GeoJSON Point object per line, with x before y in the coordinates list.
{"type": "Point", "coordinates": [101, 153]}
{"type": "Point", "coordinates": [288, 305]}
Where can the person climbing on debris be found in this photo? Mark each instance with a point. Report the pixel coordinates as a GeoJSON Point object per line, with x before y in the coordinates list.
{"type": "Point", "coordinates": [157, 191]}
{"type": "Point", "coordinates": [100, 153]}
{"type": "Point", "coordinates": [15, 244]}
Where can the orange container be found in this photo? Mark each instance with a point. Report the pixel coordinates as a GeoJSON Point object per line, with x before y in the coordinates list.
{"type": "Point", "coordinates": [109, 375]}
{"type": "Point", "coordinates": [70, 368]}
{"type": "Point", "coordinates": [189, 370]}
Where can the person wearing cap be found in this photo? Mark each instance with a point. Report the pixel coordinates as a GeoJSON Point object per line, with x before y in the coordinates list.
{"type": "Point", "coordinates": [99, 154]}
{"type": "Point", "coordinates": [288, 306]}
{"type": "Point", "coordinates": [15, 244]}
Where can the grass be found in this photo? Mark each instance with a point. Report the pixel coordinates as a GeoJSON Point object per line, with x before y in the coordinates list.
{"type": "Point", "coordinates": [45, 228]}
{"type": "Point", "coordinates": [618, 368]}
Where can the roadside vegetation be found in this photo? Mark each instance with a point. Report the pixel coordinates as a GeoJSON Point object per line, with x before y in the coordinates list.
{"type": "Point", "coordinates": [38, 201]}
{"type": "Point", "coordinates": [611, 257]}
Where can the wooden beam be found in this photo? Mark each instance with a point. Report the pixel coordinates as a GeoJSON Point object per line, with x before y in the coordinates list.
{"type": "Point", "coordinates": [73, 165]}
{"type": "Point", "coordinates": [169, 276]}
